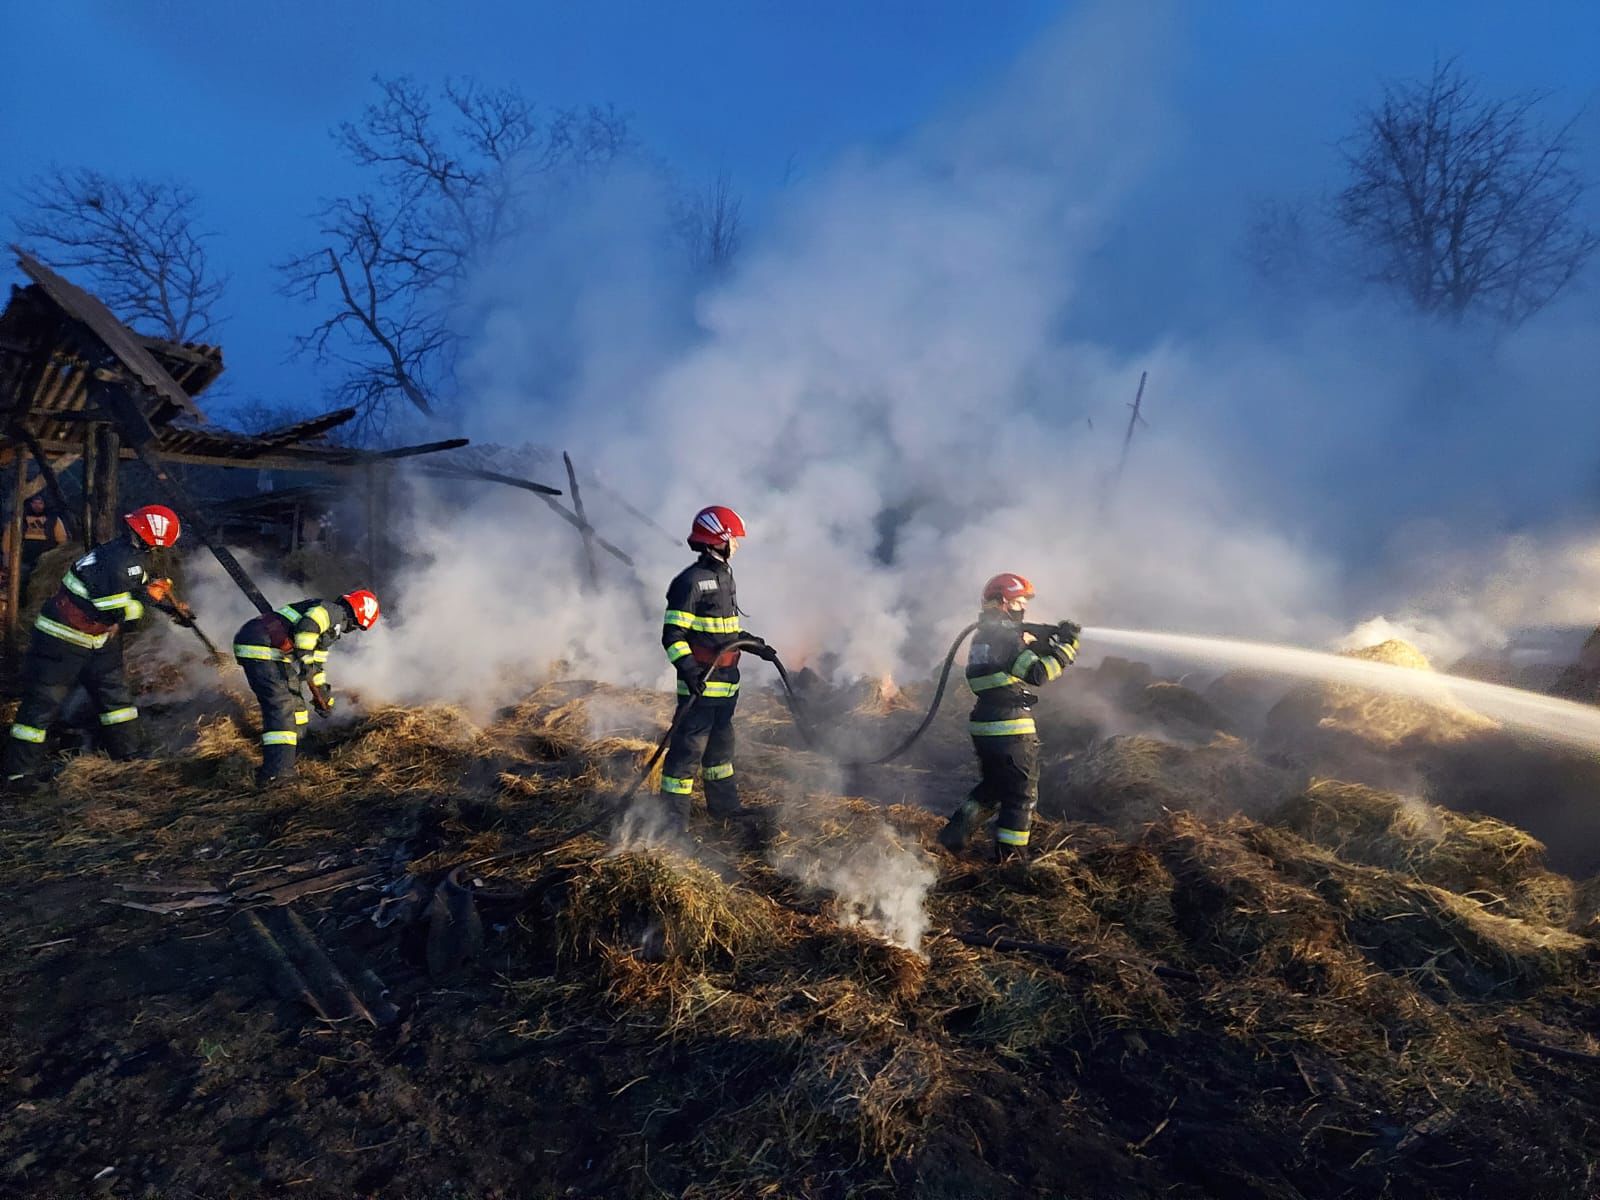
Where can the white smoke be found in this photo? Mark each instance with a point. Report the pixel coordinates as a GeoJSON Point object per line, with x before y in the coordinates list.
{"type": "Point", "coordinates": [878, 881]}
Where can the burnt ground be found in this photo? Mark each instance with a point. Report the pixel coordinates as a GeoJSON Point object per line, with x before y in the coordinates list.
{"type": "Point", "coordinates": [1188, 1006]}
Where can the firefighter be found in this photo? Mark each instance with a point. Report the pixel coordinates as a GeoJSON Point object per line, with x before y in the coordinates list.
{"type": "Point", "coordinates": [1006, 659]}
{"type": "Point", "coordinates": [75, 641]}
{"type": "Point", "coordinates": [702, 618]}
{"type": "Point", "coordinates": [281, 650]}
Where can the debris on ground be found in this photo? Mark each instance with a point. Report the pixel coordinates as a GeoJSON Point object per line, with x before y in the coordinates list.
{"type": "Point", "coordinates": [1215, 976]}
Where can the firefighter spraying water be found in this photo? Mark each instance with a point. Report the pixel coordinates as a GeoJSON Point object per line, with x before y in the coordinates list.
{"type": "Point", "coordinates": [1008, 657]}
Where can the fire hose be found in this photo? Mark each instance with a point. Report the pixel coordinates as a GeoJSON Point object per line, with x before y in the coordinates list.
{"type": "Point", "coordinates": [794, 703]}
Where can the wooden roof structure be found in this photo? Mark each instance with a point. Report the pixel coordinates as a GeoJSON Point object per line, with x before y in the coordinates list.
{"type": "Point", "coordinates": [54, 339]}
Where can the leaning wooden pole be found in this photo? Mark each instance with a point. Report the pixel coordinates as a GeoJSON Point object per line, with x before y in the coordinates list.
{"type": "Point", "coordinates": [584, 528]}
{"type": "Point", "coordinates": [140, 438]}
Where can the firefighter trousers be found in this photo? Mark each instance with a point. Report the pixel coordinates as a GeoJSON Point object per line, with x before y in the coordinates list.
{"type": "Point", "coordinates": [704, 737]}
{"type": "Point", "coordinates": [283, 716]}
{"type": "Point", "coordinates": [1008, 780]}
{"type": "Point", "coordinates": [50, 671]}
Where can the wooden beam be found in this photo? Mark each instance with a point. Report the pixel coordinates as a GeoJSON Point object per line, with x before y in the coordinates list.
{"type": "Point", "coordinates": [584, 528]}
{"type": "Point", "coordinates": [14, 540]}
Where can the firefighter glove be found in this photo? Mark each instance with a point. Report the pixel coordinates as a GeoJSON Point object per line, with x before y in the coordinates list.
{"type": "Point", "coordinates": [764, 652]}
{"type": "Point", "coordinates": [692, 676]}
{"type": "Point", "coordinates": [1067, 633]}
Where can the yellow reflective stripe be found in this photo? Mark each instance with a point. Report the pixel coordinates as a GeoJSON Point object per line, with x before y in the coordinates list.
{"type": "Point", "coordinates": [305, 641]}
{"type": "Point", "coordinates": [716, 624]}
{"type": "Point", "coordinates": [320, 656]}
{"type": "Point", "coordinates": [320, 615]}
{"type": "Point", "coordinates": [320, 678]}
{"type": "Point", "coordinates": [678, 617]}
{"type": "Point", "coordinates": [280, 737]}
{"type": "Point", "coordinates": [1010, 728]}
{"type": "Point", "coordinates": [133, 610]}
{"type": "Point", "coordinates": [677, 650]}
{"type": "Point", "coordinates": [1024, 663]}
{"type": "Point", "coordinates": [27, 733]}
{"type": "Point", "coordinates": [119, 600]}
{"type": "Point", "coordinates": [302, 717]}
{"type": "Point", "coordinates": [986, 683]}
{"type": "Point", "coordinates": [291, 613]}
{"type": "Point", "coordinates": [76, 586]}
{"type": "Point", "coordinates": [1011, 837]}
{"type": "Point", "coordinates": [91, 641]}
{"type": "Point", "coordinates": [715, 690]}
{"type": "Point", "coordinates": [674, 786]}
{"type": "Point", "coordinates": [119, 716]}
{"type": "Point", "coordinates": [1052, 668]}
{"type": "Point", "coordinates": [260, 653]}
{"type": "Point", "coordinates": [1068, 651]}
{"type": "Point", "coordinates": [720, 771]}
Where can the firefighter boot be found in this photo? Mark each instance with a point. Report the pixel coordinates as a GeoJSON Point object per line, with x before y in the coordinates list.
{"type": "Point", "coordinates": [277, 764]}
{"type": "Point", "coordinates": [121, 739]}
{"type": "Point", "coordinates": [963, 823]}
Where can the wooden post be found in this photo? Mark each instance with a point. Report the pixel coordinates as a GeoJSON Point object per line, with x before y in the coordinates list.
{"type": "Point", "coordinates": [14, 540]}
{"type": "Point", "coordinates": [584, 528]}
{"type": "Point", "coordinates": [89, 473]}
{"type": "Point", "coordinates": [107, 460]}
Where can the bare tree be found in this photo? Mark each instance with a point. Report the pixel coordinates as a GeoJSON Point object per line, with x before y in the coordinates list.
{"type": "Point", "coordinates": [712, 226]}
{"type": "Point", "coordinates": [453, 187]}
{"type": "Point", "coordinates": [137, 240]}
{"type": "Point", "coordinates": [1464, 203]}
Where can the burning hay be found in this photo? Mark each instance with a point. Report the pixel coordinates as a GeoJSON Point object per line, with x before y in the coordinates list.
{"type": "Point", "coordinates": [739, 1024]}
{"type": "Point", "coordinates": [1329, 719]}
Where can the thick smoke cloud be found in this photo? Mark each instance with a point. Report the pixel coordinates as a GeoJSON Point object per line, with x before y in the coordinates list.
{"type": "Point", "coordinates": [893, 387]}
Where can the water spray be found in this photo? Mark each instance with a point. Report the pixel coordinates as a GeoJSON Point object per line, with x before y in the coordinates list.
{"type": "Point", "coordinates": [1547, 717]}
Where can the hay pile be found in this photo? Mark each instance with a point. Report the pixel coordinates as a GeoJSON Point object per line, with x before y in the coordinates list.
{"type": "Point", "coordinates": [1489, 861]}
{"type": "Point", "coordinates": [1327, 719]}
{"type": "Point", "coordinates": [1130, 780]}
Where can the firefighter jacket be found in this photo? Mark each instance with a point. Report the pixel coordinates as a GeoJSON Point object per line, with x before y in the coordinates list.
{"type": "Point", "coordinates": [297, 635]}
{"type": "Point", "coordinates": [100, 593]}
{"type": "Point", "coordinates": [702, 618]}
{"type": "Point", "coordinates": [1000, 670]}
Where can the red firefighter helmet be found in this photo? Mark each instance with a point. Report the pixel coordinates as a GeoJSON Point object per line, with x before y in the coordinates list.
{"type": "Point", "coordinates": [1006, 587]}
{"type": "Point", "coordinates": [363, 606]}
{"type": "Point", "coordinates": [714, 526]}
{"type": "Point", "coordinates": [156, 524]}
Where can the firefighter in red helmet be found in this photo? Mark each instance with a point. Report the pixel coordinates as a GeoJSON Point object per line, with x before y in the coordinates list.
{"type": "Point", "coordinates": [76, 640]}
{"type": "Point", "coordinates": [702, 619]}
{"type": "Point", "coordinates": [280, 650]}
{"type": "Point", "coordinates": [1006, 659]}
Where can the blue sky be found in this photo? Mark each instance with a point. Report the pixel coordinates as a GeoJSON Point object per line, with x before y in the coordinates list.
{"type": "Point", "coordinates": [237, 99]}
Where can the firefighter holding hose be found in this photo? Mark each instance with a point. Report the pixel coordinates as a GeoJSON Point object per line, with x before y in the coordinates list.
{"type": "Point", "coordinates": [77, 640]}
{"type": "Point", "coordinates": [1007, 658]}
{"type": "Point", "coordinates": [701, 622]}
{"type": "Point", "coordinates": [280, 650]}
